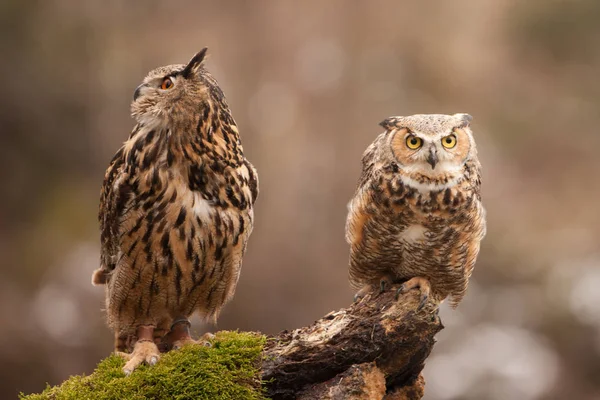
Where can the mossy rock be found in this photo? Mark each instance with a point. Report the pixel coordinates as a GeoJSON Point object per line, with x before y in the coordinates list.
{"type": "Point", "coordinates": [230, 369]}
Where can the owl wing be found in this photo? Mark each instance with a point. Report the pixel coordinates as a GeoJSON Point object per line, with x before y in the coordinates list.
{"type": "Point", "coordinates": [252, 180]}
{"type": "Point", "coordinates": [479, 226]}
{"type": "Point", "coordinates": [479, 216]}
{"type": "Point", "coordinates": [369, 158]}
{"type": "Point", "coordinates": [362, 212]}
{"type": "Point", "coordinates": [473, 233]}
{"type": "Point", "coordinates": [356, 206]}
{"type": "Point", "coordinates": [368, 174]}
{"type": "Point", "coordinates": [114, 196]}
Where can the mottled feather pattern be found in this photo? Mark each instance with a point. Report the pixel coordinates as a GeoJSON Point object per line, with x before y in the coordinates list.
{"type": "Point", "coordinates": [430, 227]}
{"type": "Point", "coordinates": [176, 209]}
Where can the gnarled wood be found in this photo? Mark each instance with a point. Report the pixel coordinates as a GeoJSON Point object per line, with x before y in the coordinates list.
{"type": "Point", "coordinates": [345, 354]}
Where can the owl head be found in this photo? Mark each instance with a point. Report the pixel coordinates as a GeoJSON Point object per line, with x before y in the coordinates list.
{"type": "Point", "coordinates": [430, 144]}
{"type": "Point", "coordinates": [169, 93]}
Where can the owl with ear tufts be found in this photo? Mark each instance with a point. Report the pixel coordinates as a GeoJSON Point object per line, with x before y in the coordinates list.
{"type": "Point", "coordinates": [417, 217]}
{"type": "Point", "coordinates": [176, 212]}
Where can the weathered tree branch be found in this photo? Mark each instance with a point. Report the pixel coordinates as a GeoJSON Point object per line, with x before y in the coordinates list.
{"type": "Point", "coordinates": [374, 349]}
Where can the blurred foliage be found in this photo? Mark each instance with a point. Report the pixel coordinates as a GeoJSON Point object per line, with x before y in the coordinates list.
{"type": "Point", "coordinates": [565, 30]}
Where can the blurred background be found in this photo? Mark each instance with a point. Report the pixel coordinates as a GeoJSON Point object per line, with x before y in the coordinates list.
{"type": "Point", "coordinates": [308, 82]}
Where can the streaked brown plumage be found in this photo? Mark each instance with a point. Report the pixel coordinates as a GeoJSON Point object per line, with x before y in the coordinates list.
{"type": "Point", "coordinates": [417, 215]}
{"type": "Point", "coordinates": [176, 211]}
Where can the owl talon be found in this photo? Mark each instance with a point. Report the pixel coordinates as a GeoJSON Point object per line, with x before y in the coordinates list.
{"type": "Point", "coordinates": [144, 351]}
{"type": "Point", "coordinates": [424, 298]}
{"type": "Point", "coordinates": [207, 339]}
{"type": "Point", "coordinates": [399, 291]}
{"type": "Point", "coordinates": [362, 292]}
{"type": "Point", "coordinates": [179, 335]}
{"type": "Point", "coordinates": [382, 284]}
{"type": "Point", "coordinates": [184, 342]}
{"type": "Point", "coordinates": [417, 282]}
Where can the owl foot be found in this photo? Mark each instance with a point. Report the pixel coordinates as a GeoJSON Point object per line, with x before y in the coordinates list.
{"type": "Point", "coordinates": [362, 293]}
{"type": "Point", "coordinates": [385, 282]}
{"type": "Point", "coordinates": [179, 335]}
{"type": "Point", "coordinates": [144, 351]}
{"type": "Point", "coordinates": [416, 282]}
{"type": "Point", "coordinates": [205, 341]}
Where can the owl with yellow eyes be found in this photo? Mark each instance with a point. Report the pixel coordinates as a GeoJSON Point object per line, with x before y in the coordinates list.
{"type": "Point", "coordinates": [416, 217]}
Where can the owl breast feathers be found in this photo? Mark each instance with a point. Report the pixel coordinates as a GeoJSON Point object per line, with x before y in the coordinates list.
{"type": "Point", "coordinates": [176, 208]}
{"type": "Point", "coordinates": [417, 216]}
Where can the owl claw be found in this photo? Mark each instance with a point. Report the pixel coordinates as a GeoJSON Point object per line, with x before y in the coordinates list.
{"type": "Point", "coordinates": [385, 282]}
{"type": "Point", "coordinates": [362, 292]}
{"type": "Point", "coordinates": [357, 297]}
{"type": "Point", "coordinates": [203, 341]}
{"type": "Point", "coordinates": [178, 345]}
{"type": "Point", "coordinates": [382, 285]}
{"type": "Point", "coordinates": [179, 335]}
{"type": "Point", "coordinates": [207, 339]}
{"type": "Point", "coordinates": [144, 351]}
{"type": "Point", "coordinates": [399, 291]}
{"type": "Point", "coordinates": [417, 282]}
{"type": "Point", "coordinates": [424, 298]}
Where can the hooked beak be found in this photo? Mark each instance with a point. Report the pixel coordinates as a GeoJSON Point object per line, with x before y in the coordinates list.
{"type": "Point", "coordinates": [432, 158]}
{"type": "Point", "coordinates": [138, 91]}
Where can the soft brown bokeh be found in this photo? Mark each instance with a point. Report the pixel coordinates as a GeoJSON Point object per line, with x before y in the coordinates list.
{"type": "Point", "coordinates": [308, 83]}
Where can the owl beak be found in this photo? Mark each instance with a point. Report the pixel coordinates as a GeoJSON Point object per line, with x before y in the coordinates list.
{"type": "Point", "coordinates": [432, 158]}
{"type": "Point", "coordinates": [138, 91]}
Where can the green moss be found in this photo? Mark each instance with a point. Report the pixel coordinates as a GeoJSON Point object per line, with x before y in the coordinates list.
{"type": "Point", "coordinates": [228, 370]}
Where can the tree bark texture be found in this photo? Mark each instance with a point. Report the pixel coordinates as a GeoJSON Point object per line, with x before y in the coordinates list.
{"type": "Point", "coordinates": [374, 349]}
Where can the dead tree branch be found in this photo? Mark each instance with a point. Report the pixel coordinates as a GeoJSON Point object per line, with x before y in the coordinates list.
{"type": "Point", "coordinates": [374, 349]}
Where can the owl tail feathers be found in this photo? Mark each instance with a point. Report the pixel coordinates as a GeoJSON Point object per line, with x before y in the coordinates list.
{"type": "Point", "coordinates": [455, 299]}
{"type": "Point", "coordinates": [212, 317]}
{"type": "Point", "coordinates": [100, 277]}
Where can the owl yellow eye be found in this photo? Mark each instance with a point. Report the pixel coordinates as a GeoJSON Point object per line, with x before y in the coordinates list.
{"type": "Point", "coordinates": [167, 83]}
{"type": "Point", "coordinates": [449, 141]}
{"type": "Point", "coordinates": [413, 142]}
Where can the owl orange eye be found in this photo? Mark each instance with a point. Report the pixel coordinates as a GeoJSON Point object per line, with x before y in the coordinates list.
{"type": "Point", "coordinates": [449, 141]}
{"type": "Point", "coordinates": [167, 83]}
{"type": "Point", "coordinates": [413, 142]}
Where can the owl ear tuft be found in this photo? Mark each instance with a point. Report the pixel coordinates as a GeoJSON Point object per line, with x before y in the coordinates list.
{"type": "Point", "coordinates": [465, 120]}
{"type": "Point", "coordinates": [389, 123]}
{"type": "Point", "coordinates": [195, 64]}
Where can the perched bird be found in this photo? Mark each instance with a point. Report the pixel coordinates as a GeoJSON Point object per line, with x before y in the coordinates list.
{"type": "Point", "coordinates": [417, 216]}
{"type": "Point", "coordinates": [176, 211]}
